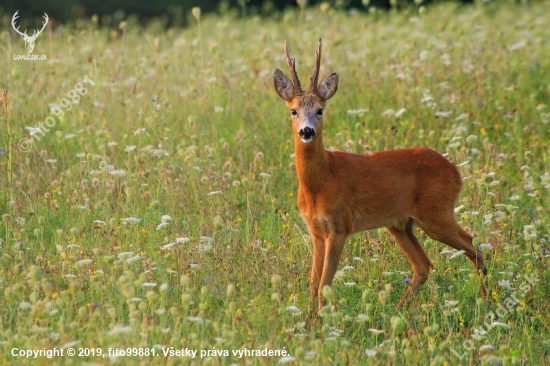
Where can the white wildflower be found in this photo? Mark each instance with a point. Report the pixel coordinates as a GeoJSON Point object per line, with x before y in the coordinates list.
{"type": "Point", "coordinates": [120, 329]}
{"type": "Point", "coordinates": [460, 252]}
{"type": "Point", "coordinates": [375, 331]}
{"type": "Point", "coordinates": [451, 303]}
{"type": "Point", "coordinates": [529, 232]}
{"type": "Point", "coordinates": [118, 173]}
{"type": "Point", "coordinates": [149, 284]}
{"type": "Point", "coordinates": [399, 113]}
{"type": "Point", "coordinates": [545, 180]}
{"type": "Point", "coordinates": [370, 352]}
{"type": "Point", "coordinates": [69, 344]}
{"type": "Point", "coordinates": [443, 113]}
{"type": "Point", "coordinates": [24, 305]}
{"type": "Point", "coordinates": [130, 148]}
{"type": "Point", "coordinates": [485, 246]}
{"type": "Point", "coordinates": [286, 359]}
{"type": "Point", "coordinates": [168, 246]}
{"type": "Point", "coordinates": [125, 255]}
{"type": "Point", "coordinates": [501, 325]}
{"type": "Point", "coordinates": [293, 309]}
{"type": "Point", "coordinates": [140, 131]}
{"type": "Point", "coordinates": [461, 117]}
{"type": "Point", "coordinates": [357, 111]}
{"type": "Point", "coordinates": [84, 262]}
{"type": "Point", "coordinates": [131, 221]}
{"type": "Point", "coordinates": [135, 258]}
{"type": "Point", "coordinates": [195, 319]}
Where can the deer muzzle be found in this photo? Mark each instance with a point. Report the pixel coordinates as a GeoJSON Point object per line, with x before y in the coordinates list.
{"type": "Point", "coordinates": [306, 134]}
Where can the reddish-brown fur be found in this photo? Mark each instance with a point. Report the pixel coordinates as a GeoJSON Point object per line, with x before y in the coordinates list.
{"type": "Point", "coordinates": [342, 193]}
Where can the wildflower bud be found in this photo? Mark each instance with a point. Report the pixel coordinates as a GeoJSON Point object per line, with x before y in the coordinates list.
{"type": "Point", "coordinates": [35, 272]}
{"type": "Point", "coordinates": [16, 72]}
{"type": "Point", "coordinates": [275, 279]}
{"type": "Point", "coordinates": [275, 297]}
{"type": "Point", "coordinates": [196, 11]}
{"type": "Point", "coordinates": [123, 26]}
{"type": "Point", "coordinates": [185, 281]}
{"type": "Point", "coordinates": [33, 297]}
{"type": "Point", "coordinates": [185, 300]}
{"type": "Point", "coordinates": [82, 311]}
{"type": "Point", "coordinates": [382, 297]}
{"type": "Point", "coordinates": [327, 293]}
{"type": "Point", "coordinates": [230, 290]}
{"type": "Point", "coordinates": [397, 324]}
{"type": "Point", "coordinates": [388, 288]}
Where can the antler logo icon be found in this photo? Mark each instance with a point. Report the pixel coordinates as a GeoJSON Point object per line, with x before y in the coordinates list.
{"type": "Point", "coordinates": [29, 40]}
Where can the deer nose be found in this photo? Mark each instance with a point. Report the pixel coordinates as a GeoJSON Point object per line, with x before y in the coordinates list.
{"type": "Point", "coordinates": [307, 133]}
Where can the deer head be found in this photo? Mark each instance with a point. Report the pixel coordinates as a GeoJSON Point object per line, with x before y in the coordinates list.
{"type": "Point", "coordinates": [29, 40]}
{"type": "Point", "coordinates": [306, 107]}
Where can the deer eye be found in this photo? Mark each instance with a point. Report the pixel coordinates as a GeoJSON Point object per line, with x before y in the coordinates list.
{"type": "Point", "coordinates": [320, 112]}
{"type": "Point", "coordinates": [293, 112]}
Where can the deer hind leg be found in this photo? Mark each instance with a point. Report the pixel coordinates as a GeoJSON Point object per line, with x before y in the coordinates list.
{"type": "Point", "coordinates": [415, 254]}
{"type": "Point", "coordinates": [334, 246]}
{"type": "Point", "coordinates": [446, 230]}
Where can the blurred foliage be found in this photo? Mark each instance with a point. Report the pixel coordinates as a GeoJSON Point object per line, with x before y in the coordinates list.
{"type": "Point", "coordinates": [176, 12]}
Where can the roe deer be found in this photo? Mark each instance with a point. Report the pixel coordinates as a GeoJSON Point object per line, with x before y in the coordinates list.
{"type": "Point", "coordinates": [342, 193]}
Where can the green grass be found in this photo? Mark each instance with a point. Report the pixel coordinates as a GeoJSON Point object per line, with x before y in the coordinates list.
{"type": "Point", "coordinates": [213, 150]}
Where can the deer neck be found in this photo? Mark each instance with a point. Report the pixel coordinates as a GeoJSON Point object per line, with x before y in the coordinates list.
{"type": "Point", "coordinates": [312, 165]}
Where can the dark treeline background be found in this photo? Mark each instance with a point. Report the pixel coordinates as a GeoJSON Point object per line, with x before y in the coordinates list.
{"type": "Point", "coordinates": [175, 12]}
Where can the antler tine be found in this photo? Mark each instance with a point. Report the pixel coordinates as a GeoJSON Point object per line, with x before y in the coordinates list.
{"type": "Point", "coordinates": [292, 65]}
{"type": "Point", "coordinates": [46, 20]}
{"type": "Point", "coordinates": [13, 19]}
{"type": "Point", "coordinates": [314, 81]}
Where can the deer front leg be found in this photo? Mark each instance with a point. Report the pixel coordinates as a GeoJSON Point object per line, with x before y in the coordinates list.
{"type": "Point", "coordinates": [334, 246]}
{"type": "Point", "coordinates": [316, 266]}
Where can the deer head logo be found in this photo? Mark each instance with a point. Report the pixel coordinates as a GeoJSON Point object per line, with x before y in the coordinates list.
{"type": "Point", "coordinates": [29, 40]}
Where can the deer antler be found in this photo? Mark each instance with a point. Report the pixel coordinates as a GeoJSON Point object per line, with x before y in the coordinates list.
{"type": "Point", "coordinates": [13, 19]}
{"type": "Point", "coordinates": [46, 19]}
{"type": "Point", "coordinates": [297, 88]}
{"type": "Point", "coordinates": [314, 80]}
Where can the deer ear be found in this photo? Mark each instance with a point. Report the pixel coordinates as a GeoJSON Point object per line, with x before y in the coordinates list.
{"type": "Point", "coordinates": [328, 86]}
{"type": "Point", "coordinates": [283, 85]}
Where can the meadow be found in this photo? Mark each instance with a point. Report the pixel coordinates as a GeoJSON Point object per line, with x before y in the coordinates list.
{"type": "Point", "coordinates": [158, 213]}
